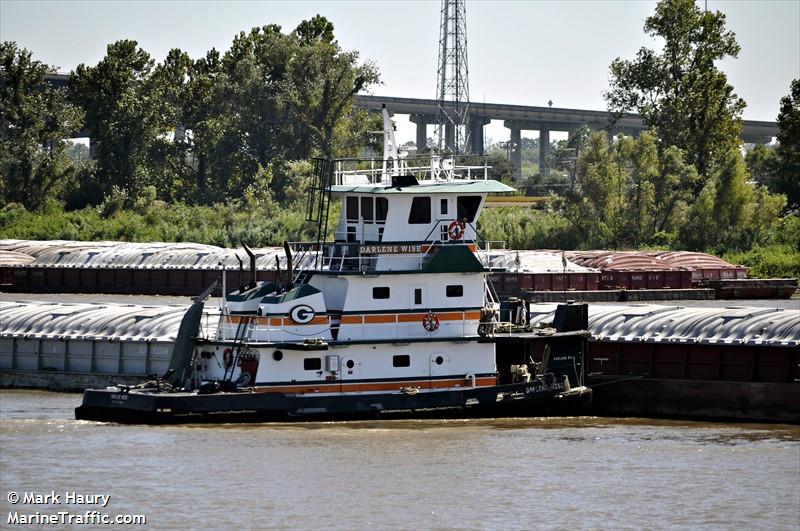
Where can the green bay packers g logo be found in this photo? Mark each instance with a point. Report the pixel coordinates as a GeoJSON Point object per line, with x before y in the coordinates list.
{"type": "Point", "coordinates": [302, 314]}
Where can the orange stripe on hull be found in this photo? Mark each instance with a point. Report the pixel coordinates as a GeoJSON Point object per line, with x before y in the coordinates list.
{"type": "Point", "coordinates": [380, 319]}
{"type": "Point", "coordinates": [343, 387]}
{"type": "Point", "coordinates": [278, 321]}
{"type": "Point", "coordinates": [360, 319]}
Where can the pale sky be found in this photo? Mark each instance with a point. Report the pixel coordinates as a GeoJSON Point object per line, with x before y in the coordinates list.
{"type": "Point", "coordinates": [520, 52]}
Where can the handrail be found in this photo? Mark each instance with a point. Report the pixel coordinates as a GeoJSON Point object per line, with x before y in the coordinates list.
{"type": "Point", "coordinates": [436, 167]}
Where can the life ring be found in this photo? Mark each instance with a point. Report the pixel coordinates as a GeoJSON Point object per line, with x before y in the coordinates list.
{"type": "Point", "coordinates": [430, 322]}
{"type": "Point", "coordinates": [455, 231]}
{"type": "Point", "coordinates": [227, 357]}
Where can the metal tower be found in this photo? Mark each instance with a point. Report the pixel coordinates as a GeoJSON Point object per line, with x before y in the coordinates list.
{"type": "Point", "coordinates": [452, 87]}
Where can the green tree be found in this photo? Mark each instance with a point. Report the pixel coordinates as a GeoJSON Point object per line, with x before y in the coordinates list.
{"type": "Point", "coordinates": [699, 232]}
{"type": "Point", "coordinates": [639, 158]}
{"type": "Point", "coordinates": [34, 120]}
{"type": "Point", "coordinates": [564, 154]}
{"type": "Point", "coordinates": [730, 214]}
{"type": "Point", "coordinates": [680, 91]}
{"type": "Point", "coordinates": [125, 114]}
{"type": "Point", "coordinates": [787, 175]}
{"type": "Point", "coordinates": [762, 164]}
{"type": "Point", "coordinates": [167, 155]}
{"type": "Point", "coordinates": [732, 195]}
{"type": "Point", "coordinates": [674, 184]}
{"type": "Point", "coordinates": [598, 212]}
{"type": "Point", "coordinates": [287, 97]}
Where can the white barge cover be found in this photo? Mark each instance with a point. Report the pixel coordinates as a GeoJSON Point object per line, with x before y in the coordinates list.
{"type": "Point", "coordinates": [654, 323]}
{"type": "Point", "coordinates": [85, 321]}
{"type": "Point", "coordinates": [619, 323]}
{"type": "Point", "coordinates": [536, 262]}
{"type": "Point", "coordinates": [124, 255]}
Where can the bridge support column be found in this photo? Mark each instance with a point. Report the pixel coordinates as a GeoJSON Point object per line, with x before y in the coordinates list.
{"type": "Point", "coordinates": [516, 152]}
{"type": "Point", "coordinates": [476, 140]}
{"type": "Point", "coordinates": [544, 150]}
{"type": "Point", "coordinates": [422, 136]}
{"type": "Point", "coordinates": [422, 122]}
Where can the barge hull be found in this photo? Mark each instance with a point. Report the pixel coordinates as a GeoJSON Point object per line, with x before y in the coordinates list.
{"type": "Point", "coordinates": [696, 399]}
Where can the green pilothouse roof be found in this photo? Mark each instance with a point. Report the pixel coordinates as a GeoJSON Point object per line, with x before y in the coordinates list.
{"type": "Point", "coordinates": [446, 187]}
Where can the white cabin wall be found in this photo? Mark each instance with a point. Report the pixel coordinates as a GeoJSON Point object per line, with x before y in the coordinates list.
{"type": "Point", "coordinates": [359, 293]}
{"type": "Point", "coordinates": [334, 290]}
{"type": "Point", "coordinates": [372, 362]}
{"type": "Point", "coordinates": [398, 317]}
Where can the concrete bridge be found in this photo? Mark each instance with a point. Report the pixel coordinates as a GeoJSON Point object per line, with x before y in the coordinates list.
{"type": "Point", "coordinates": [516, 118]}
{"type": "Point", "coordinates": [520, 118]}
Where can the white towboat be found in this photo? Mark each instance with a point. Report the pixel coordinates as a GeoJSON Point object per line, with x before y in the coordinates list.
{"type": "Point", "coordinates": [394, 317]}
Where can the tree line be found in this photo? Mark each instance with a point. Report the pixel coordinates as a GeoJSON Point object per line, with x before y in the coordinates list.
{"type": "Point", "coordinates": [194, 130]}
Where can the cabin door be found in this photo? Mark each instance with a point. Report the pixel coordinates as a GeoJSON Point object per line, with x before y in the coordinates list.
{"type": "Point", "coordinates": [439, 367]}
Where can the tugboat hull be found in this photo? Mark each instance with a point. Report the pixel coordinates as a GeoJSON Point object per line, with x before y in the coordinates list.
{"type": "Point", "coordinates": [158, 407]}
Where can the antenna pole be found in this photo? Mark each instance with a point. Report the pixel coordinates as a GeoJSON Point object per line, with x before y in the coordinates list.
{"type": "Point", "coordinates": [452, 90]}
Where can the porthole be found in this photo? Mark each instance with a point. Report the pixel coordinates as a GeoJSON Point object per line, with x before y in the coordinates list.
{"type": "Point", "coordinates": [439, 360]}
{"type": "Point", "coordinates": [350, 364]}
{"type": "Point", "coordinates": [277, 355]}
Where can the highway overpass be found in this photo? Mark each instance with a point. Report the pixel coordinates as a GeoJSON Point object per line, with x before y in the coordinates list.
{"type": "Point", "coordinates": [520, 118]}
{"type": "Point", "coordinates": [516, 118]}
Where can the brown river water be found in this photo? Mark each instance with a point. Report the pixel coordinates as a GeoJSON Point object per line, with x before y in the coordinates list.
{"type": "Point", "coordinates": [539, 473]}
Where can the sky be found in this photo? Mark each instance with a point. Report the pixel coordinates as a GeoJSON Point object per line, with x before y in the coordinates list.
{"type": "Point", "coordinates": [519, 52]}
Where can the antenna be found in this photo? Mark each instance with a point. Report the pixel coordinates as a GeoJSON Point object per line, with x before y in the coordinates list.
{"type": "Point", "coordinates": [452, 87]}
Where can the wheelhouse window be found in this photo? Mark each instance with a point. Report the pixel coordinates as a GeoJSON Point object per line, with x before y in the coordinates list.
{"type": "Point", "coordinates": [467, 207]}
{"type": "Point", "coordinates": [401, 360]}
{"type": "Point", "coordinates": [456, 290]}
{"type": "Point", "coordinates": [380, 293]}
{"type": "Point", "coordinates": [312, 364]}
{"type": "Point", "coordinates": [381, 208]}
{"type": "Point", "coordinates": [366, 209]}
{"type": "Point", "coordinates": [352, 208]}
{"type": "Point", "coordinates": [420, 211]}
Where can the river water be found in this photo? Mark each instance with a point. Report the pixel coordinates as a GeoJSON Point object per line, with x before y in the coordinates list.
{"type": "Point", "coordinates": [585, 473]}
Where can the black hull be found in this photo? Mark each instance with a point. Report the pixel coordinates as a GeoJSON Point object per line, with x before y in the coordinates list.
{"type": "Point", "coordinates": [152, 407]}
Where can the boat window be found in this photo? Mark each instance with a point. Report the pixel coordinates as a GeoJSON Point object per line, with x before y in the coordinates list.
{"type": "Point", "coordinates": [444, 206]}
{"type": "Point", "coordinates": [381, 208]}
{"type": "Point", "coordinates": [456, 290]}
{"type": "Point", "coordinates": [366, 209]}
{"type": "Point", "coordinates": [351, 234]}
{"type": "Point", "coordinates": [312, 364]}
{"type": "Point", "coordinates": [352, 208]}
{"type": "Point", "coordinates": [380, 293]}
{"type": "Point", "coordinates": [417, 295]}
{"type": "Point", "coordinates": [402, 360]}
{"type": "Point", "coordinates": [467, 207]}
{"type": "Point", "coordinates": [420, 210]}
{"type": "Point", "coordinates": [277, 355]}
